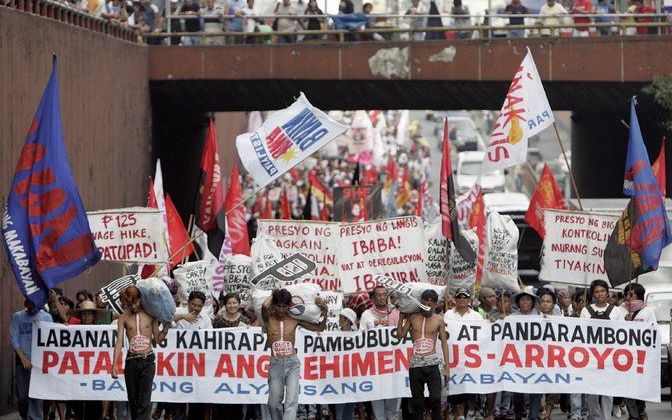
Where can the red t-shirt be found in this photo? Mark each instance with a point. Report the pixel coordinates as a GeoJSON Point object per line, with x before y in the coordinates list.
{"type": "Point", "coordinates": [582, 7]}
{"type": "Point", "coordinates": [74, 321]}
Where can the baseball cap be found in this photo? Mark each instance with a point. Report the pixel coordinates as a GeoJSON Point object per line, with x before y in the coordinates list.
{"type": "Point", "coordinates": [462, 291]}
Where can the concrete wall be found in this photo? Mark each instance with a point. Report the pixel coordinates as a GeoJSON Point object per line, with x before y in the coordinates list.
{"type": "Point", "coordinates": [106, 121]}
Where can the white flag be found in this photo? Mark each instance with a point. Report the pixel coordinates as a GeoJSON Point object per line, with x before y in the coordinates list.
{"type": "Point", "coordinates": [525, 113]}
{"type": "Point", "coordinates": [286, 138]}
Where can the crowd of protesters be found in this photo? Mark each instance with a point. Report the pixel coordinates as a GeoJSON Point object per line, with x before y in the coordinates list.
{"type": "Point", "coordinates": [363, 311]}
{"type": "Point", "coordinates": [256, 24]}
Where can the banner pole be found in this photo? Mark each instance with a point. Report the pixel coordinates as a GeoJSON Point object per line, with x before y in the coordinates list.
{"type": "Point", "coordinates": [156, 271]}
{"type": "Point", "coordinates": [190, 226]}
{"type": "Point", "coordinates": [569, 167]}
{"type": "Point", "coordinates": [244, 199]}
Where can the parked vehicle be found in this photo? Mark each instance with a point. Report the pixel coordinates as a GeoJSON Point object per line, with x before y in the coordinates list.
{"type": "Point", "coordinates": [462, 133]}
{"type": "Point", "coordinates": [468, 170]}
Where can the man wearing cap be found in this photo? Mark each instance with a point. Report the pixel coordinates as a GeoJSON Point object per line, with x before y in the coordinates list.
{"type": "Point", "coordinates": [462, 309]}
{"type": "Point", "coordinates": [601, 309]}
{"type": "Point", "coordinates": [461, 312]}
{"type": "Point", "coordinates": [525, 300]}
{"type": "Point", "coordinates": [21, 339]}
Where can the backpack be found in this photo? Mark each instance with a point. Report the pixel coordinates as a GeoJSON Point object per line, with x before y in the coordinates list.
{"type": "Point", "coordinates": [602, 314]}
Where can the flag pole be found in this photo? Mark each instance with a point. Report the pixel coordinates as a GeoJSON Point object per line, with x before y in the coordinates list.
{"type": "Point", "coordinates": [569, 166]}
{"type": "Point", "coordinates": [156, 271]}
{"type": "Point", "coordinates": [244, 199]}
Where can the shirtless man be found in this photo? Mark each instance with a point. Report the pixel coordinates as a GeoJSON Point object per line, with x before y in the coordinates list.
{"type": "Point", "coordinates": [142, 331]}
{"type": "Point", "coordinates": [284, 369]}
{"type": "Point", "coordinates": [425, 327]}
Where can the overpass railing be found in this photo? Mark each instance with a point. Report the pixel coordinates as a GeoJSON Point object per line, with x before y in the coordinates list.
{"type": "Point", "coordinates": [70, 15]}
{"type": "Point", "coordinates": [215, 29]}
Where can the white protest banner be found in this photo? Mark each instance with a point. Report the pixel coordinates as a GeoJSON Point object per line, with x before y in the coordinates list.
{"type": "Point", "coordinates": [437, 254]}
{"type": "Point", "coordinates": [334, 301]}
{"type": "Point", "coordinates": [264, 254]}
{"type": "Point", "coordinates": [129, 235]}
{"type": "Point", "coordinates": [287, 137]}
{"type": "Point", "coordinates": [531, 354]}
{"type": "Point", "coordinates": [460, 272]}
{"type": "Point", "coordinates": [195, 276]}
{"type": "Point", "coordinates": [525, 113]}
{"type": "Point", "coordinates": [392, 247]}
{"type": "Point", "coordinates": [573, 250]}
{"type": "Point", "coordinates": [236, 273]}
{"type": "Point", "coordinates": [314, 240]}
{"type": "Point", "coordinates": [500, 266]}
{"type": "Point", "coordinates": [525, 354]}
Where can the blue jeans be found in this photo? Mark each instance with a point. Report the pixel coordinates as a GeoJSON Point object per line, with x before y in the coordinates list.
{"type": "Point", "coordinates": [386, 409]}
{"type": "Point", "coordinates": [519, 406]}
{"type": "Point", "coordinates": [283, 381]}
{"type": "Point", "coordinates": [577, 406]}
{"type": "Point", "coordinates": [503, 402]}
{"type": "Point", "coordinates": [29, 408]}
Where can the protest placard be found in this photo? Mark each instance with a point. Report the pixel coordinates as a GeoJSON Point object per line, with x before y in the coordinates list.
{"type": "Point", "coordinates": [287, 271]}
{"type": "Point", "coordinates": [393, 247]}
{"type": "Point", "coordinates": [314, 240]}
{"type": "Point", "coordinates": [236, 274]}
{"type": "Point", "coordinates": [129, 235]}
{"type": "Point", "coordinates": [195, 276]}
{"type": "Point", "coordinates": [230, 366]}
{"type": "Point", "coordinates": [462, 273]}
{"type": "Point", "coordinates": [573, 250]}
{"type": "Point", "coordinates": [110, 294]}
{"type": "Point", "coordinates": [500, 266]}
{"type": "Point", "coordinates": [334, 301]}
{"type": "Point", "coordinates": [437, 258]}
{"type": "Point", "coordinates": [348, 202]}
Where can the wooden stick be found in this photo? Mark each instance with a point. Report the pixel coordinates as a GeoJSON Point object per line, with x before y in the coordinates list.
{"type": "Point", "coordinates": [156, 271]}
{"type": "Point", "coordinates": [569, 166]}
{"type": "Point", "coordinates": [189, 229]}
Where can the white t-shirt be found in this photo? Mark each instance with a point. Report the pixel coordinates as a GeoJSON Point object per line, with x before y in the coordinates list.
{"type": "Point", "coordinates": [617, 314]}
{"type": "Point", "coordinates": [202, 323]}
{"type": "Point", "coordinates": [470, 315]}
{"type": "Point", "coordinates": [645, 315]}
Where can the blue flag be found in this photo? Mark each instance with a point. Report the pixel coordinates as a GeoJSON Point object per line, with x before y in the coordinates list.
{"type": "Point", "coordinates": [643, 230]}
{"type": "Point", "coordinates": [45, 228]}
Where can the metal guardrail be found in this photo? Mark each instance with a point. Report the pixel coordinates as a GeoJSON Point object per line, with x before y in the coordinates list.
{"type": "Point", "coordinates": [80, 18]}
{"type": "Point", "coordinates": [71, 16]}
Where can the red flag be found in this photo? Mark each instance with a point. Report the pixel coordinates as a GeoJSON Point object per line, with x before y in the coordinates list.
{"type": "Point", "coordinates": [268, 210]}
{"type": "Point", "coordinates": [210, 216]}
{"type": "Point", "coordinates": [659, 169]}
{"type": "Point", "coordinates": [324, 214]}
{"type": "Point", "coordinates": [235, 217]}
{"type": "Point", "coordinates": [449, 225]}
{"type": "Point", "coordinates": [421, 192]}
{"type": "Point", "coordinates": [477, 220]}
{"type": "Point", "coordinates": [149, 269]}
{"type": "Point", "coordinates": [285, 209]}
{"type": "Point", "coordinates": [151, 196]}
{"type": "Point", "coordinates": [177, 233]}
{"type": "Point", "coordinates": [321, 191]}
{"type": "Point", "coordinates": [547, 195]}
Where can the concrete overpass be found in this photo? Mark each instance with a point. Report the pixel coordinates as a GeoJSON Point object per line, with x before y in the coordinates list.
{"type": "Point", "coordinates": [592, 77]}
{"type": "Point", "coordinates": [578, 73]}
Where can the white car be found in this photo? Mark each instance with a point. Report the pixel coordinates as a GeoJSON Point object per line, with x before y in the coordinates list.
{"type": "Point", "coordinates": [506, 202]}
{"type": "Point", "coordinates": [468, 170]}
